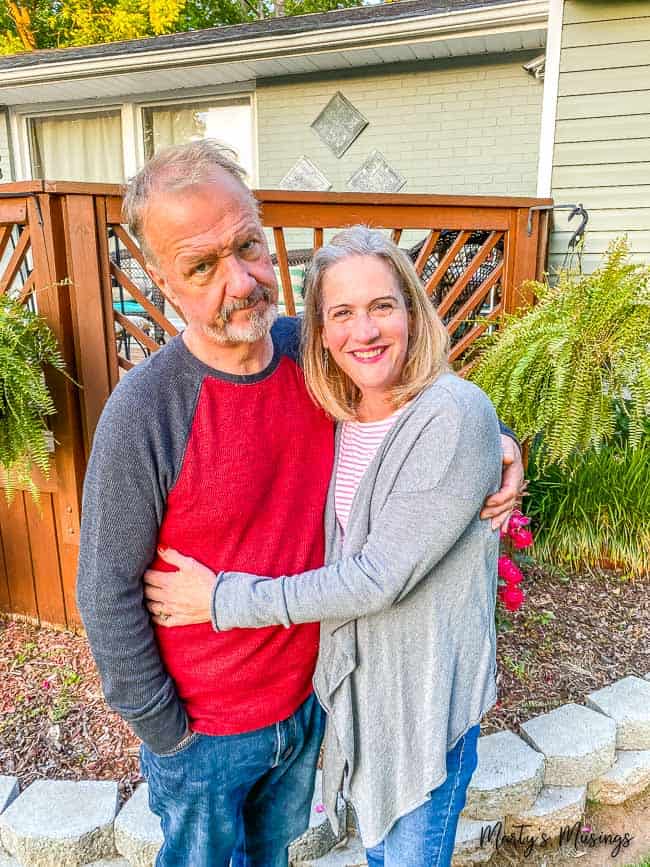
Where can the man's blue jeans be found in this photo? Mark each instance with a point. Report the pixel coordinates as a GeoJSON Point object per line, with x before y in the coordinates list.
{"type": "Point", "coordinates": [425, 837]}
{"type": "Point", "coordinates": [242, 796]}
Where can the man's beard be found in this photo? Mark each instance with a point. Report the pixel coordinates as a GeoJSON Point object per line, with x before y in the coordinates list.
{"type": "Point", "coordinates": [258, 325]}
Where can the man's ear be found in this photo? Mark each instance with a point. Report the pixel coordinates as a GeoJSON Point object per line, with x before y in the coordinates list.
{"type": "Point", "coordinates": [161, 283]}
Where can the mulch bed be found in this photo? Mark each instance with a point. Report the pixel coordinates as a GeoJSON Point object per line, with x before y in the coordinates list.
{"type": "Point", "coordinates": [572, 636]}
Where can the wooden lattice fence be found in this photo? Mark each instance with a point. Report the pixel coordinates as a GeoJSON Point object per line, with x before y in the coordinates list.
{"type": "Point", "coordinates": [64, 250]}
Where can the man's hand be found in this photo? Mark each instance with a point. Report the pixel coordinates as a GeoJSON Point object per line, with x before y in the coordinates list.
{"type": "Point", "coordinates": [499, 506]}
{"type": "Point", "coordinates": [182, 597]}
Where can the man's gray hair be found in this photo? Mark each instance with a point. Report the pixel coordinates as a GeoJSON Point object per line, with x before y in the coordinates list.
{"type": "Point", "coordinates": [175, 168]}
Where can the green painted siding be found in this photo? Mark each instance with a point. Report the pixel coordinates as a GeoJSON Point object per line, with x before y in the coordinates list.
{"type": "Point", "coordinates": [467, 126]}
{"type": "Point", "coordinates": [602, 136]}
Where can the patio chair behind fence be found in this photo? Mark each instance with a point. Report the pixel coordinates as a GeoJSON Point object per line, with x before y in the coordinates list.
{"type": "Point", "coordinates": [64, 251]}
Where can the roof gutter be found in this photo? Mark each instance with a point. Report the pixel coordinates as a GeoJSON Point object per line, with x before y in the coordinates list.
{"type": "Point", "coordinates": [494, 19]}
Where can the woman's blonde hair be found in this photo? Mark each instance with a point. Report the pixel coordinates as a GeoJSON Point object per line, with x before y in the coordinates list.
{"type": "Point", "coordinates": [428, 344]}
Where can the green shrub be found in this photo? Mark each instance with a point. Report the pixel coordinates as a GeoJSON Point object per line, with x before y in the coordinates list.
{"type": "Point", "coordinates": [595, 510]}
{"type": "Point", "coordinates": [564, 368]}
{"type": "Point", "coordinates": [26, 345]}
{"type": "Point", "coordinates": [572, 377]}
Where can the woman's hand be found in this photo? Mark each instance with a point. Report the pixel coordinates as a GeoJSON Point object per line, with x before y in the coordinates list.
{"type": "Point", "coordinates": [499, 506]}
{"type": "Point", "coordinates": [182, 597]}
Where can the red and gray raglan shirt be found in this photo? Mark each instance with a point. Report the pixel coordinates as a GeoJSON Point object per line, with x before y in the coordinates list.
{"type": "Point", "coordinates": [230, 470]}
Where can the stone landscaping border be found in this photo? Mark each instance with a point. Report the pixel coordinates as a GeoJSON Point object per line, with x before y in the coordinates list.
{"type": "Point", "coordinates": [541, 780]}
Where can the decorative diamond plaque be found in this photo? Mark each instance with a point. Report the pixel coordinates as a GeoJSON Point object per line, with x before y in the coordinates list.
{"type": "Point", "coordinates": [304, 175]}
{"type": "Point", "coordinates": [339, 124]}
{"type": "Point", "coordinates": [375, 176]}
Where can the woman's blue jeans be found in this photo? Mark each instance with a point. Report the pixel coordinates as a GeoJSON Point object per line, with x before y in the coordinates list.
{"type": "Point", "coordinates": [245, 797]}
{"type": "Point", "coordinates": [425, 837]}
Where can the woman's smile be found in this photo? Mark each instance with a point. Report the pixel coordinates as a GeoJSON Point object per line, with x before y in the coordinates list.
{"type": "Point", "coordinates": [369, 356]}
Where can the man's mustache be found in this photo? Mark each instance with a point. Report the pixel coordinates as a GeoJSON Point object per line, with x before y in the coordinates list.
{"type": "Point", "coordinates": [259, 293]}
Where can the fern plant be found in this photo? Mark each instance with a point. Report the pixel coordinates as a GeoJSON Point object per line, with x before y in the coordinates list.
{"type": "Point", "coordinates": [563, 368]}
{"type": "Point", "coordinates": [26, 345]}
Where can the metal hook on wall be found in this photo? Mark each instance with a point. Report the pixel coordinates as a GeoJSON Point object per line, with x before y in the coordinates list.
{"type": "Point", "coordinates": [576, 210]}
{"type": "Point", "coordinates": [573, 242]}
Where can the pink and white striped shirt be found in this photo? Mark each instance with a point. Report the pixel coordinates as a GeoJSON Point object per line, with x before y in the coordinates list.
{"type": "Point", "coordinates": [358, 446]}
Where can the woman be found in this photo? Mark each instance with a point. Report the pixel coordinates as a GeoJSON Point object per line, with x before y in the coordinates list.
{"type": "Point", "coordinates": [407, 656]}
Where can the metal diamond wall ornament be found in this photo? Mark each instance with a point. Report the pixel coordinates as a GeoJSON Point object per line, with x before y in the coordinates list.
{"type": "Point", "coordinates": [376, 175]}
{"type": "Point", "coordinates": [304, 175]}
{"type": "Point", "coordinates": [339, 124]}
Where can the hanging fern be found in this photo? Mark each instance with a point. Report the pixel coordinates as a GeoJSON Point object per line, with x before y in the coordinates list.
{"type": "Point", "coordinates": [564, 368]}
{"type": "Point", "coordinates": [26, 345]}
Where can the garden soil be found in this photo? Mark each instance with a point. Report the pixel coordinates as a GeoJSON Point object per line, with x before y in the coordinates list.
{"type": "Point", "coordinates": [574, 634]}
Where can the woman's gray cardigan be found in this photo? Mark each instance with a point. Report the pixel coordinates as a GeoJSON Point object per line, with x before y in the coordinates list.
{"type": "Point", "coordinates": [407, 654]}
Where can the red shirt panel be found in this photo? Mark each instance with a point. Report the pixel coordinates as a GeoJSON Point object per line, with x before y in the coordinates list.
{"type": "Point", "coordinates": [250, 497]}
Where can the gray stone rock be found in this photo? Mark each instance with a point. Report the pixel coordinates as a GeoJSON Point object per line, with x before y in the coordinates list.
{"type": "Point", "coordinates": [319, 838]}
{"type": "Point", "coordinates": [9, 791]}
{"type": "Point", "coordinates": [351, 854]}
{"type": "Point", "coordinates": [508, 778]}
{"type": "Point", "coordinates": [556, 807]}
{"type": "Point", "coordinates": [61, 823]}
{"type": "Point", "coordinates": [7, 861]}
{"type": "Point", "coordinates": [627, 702]}
{"type": "Point", "coordinates": [138, 835]}
{"type": "Point", "coordinates": [578, 744]}
{"type": "Point", "coordinates": [114, 862]}
{"type": "Point", "coordinates": [475, 841]}
{"type": "Point", "coordinates": [628, 776]}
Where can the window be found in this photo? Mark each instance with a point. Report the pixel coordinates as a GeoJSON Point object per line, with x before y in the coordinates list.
{"type": "Point", "coordinates": [229, 121]}
{"type": "Point", "coordinates": [79, 147]}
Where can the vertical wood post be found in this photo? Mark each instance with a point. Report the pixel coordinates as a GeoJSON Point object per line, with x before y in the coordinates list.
{"type": "Point", "coordinates": [53, 301]}
{"type": "Point", "coordinates": [525, 262]}
{"type": "Point", "coordinates": [88, 317]}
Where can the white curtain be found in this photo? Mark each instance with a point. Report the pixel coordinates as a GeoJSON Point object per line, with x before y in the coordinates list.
{"type": "Point", "coordinates": [86, 147]}
{"type": "Point", "coordinates": [174, 126]}
{"type": "Point", "coordinates": [230, 123]}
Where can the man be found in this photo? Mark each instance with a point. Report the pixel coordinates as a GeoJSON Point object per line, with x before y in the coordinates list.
{"type": "Point", "coordinates": [213, 447]}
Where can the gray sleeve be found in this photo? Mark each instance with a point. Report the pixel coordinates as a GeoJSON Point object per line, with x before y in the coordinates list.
{"type": "Point", "coordinates": [123, 504]}
{"type": "Point", "coordinates": [505, 431]}
{"type": "Point", "coordinates": [460, 460]}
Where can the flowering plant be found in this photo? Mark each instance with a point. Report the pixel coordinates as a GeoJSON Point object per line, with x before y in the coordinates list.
{"type": "Point", "coordinates": [516, 537]}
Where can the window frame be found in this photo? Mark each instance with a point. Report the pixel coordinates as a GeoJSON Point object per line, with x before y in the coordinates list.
{"type": "Point", "coordinates": [131, 121]}
{"type": "Point", "coordinates": [66, 113]}
{"type": "Point", "coordinates": [205, 99]}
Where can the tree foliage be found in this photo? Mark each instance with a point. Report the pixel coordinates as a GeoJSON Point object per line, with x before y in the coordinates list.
{"type": "Point", "coordinates": [29, 24]}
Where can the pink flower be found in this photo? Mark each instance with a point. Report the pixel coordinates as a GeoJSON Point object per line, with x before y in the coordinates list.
{"type": "Point", "coordinates": [517, 520]}
{"type": "Point", "coordinates": [507, 570]}
{"type": "Point", "coordinates": [521, 538]}
{"type": "Point", "coordinates": [512, 597]}
{"type": "Point", "coordinates": [516, 577]}
{"type": "Point", "coordinates": [46, 684]}
{"type": "Point", "coordinates": [319, 808]}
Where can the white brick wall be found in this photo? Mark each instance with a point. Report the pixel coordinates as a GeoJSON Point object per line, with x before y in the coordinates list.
{"type": "Point", "coordinates": [469, 127]}
{"type": "Point", "coordinates": [5, 159]}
